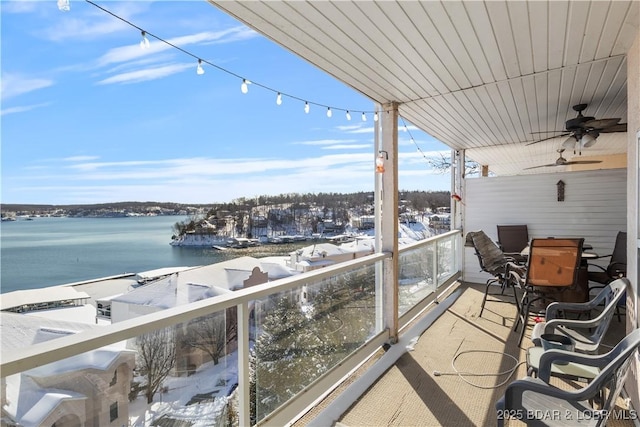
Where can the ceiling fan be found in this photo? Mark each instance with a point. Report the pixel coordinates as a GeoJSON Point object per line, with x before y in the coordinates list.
{"type": "Point", "coordinates": [583, 130]}
{"type": "Point", "coordinates": [561, 161]}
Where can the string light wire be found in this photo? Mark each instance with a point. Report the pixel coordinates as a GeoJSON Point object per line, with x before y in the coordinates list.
{"type": "Point", "coordinates": [244, 80]}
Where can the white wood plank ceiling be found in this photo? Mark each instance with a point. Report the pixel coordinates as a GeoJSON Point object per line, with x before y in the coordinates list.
{"type": "Point", "coordinates": [477, 75]}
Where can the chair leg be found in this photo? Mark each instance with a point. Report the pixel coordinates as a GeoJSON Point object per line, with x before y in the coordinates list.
{"type": "Point", "coordinates": [521, 306]}
{"type": "Point", "coordinates": [525, 319]}
{"type": "Point", "coordinates": [486, 292]}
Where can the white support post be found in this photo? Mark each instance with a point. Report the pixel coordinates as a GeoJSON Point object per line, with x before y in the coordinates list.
{"type": "Point", "coordinates": [389, 215]}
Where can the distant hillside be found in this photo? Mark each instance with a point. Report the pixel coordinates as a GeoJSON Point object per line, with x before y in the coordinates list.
{"type": "Point", "coordinates": [97, 206]}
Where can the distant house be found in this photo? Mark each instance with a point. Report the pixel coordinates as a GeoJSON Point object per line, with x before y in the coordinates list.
{"type": "Point", "coordinates": [320, 255]}
{"type": "Point", "coordinates": [90, 389]}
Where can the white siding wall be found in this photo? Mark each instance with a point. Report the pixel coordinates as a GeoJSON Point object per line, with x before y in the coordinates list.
{"type": "Point", "coordinates": [594, 208]}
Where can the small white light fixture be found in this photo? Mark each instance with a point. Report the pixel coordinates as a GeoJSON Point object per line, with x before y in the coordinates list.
{"type": "Point", "coordinates": [144, 43]}
{"type": "Point", "coordinates": [64, 5]}
{"type": "Point", "coordinates": [306, 107]}
{"type": "Point", "coordinates": [375, 117]}
{"type": "Point", "coordinates": [588, 140]}
{"type": "Point", "coordinates": [279, 99]}
{"type": "Point", "coordinates": [348, 115]}
{"type": "Point", "coordinates": [200, 70]}
{"type": "Point", "coordinates": [244, 87]}
{"type": "Point", "coordinates": [329, 113]}
{"type": "Point", "coordinates": [364, 117]}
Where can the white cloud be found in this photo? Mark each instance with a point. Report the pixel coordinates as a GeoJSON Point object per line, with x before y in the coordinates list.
{"type": "Point", "coordinates": [145, 74]}
{"type": "Point", "coordinates": [346, 146]}
{"type": "Point", "coordinates": [15, 84]}
{"type": "Point", "coordinates": [80, 158]}
{"type": "Point", "coordinates": [22, 109]}
{"type": "Point", "coordinates": [321, 142]}
{"type": "Point", "coordinates": [131, 52]}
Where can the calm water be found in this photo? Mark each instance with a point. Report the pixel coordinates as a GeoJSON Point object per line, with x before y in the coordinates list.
{"type": "Point", "coordinates": [54, 251]}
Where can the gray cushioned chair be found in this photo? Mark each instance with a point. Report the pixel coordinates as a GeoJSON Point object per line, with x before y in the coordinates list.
{"type": "Point", "coordinates": [537, 403]}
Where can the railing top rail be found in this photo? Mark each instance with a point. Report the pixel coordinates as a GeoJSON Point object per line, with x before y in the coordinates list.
{"type": "Point", "coordinates": [61, 348]}
{"type": "Point", "coordinates": [430, 240]}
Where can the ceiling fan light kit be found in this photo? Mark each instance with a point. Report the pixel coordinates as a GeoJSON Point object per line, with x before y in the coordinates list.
{"type": "Point", "coordinates": [584, 130]}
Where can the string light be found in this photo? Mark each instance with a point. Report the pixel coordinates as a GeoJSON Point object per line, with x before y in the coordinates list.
{"type": "Point", "coordinates": [144, 43]}
{"type": "Point", "coordinates": [244, 87]}
{"type": "Point", "coordinates": [375, 117]}
{"type": "Point", "coordinates": [64, 5]}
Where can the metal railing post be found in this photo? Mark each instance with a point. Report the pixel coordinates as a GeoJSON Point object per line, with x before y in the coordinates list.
{"type": "Point", "coordinates": [244, 404]}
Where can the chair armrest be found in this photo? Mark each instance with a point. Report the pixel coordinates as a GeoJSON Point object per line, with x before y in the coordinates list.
{"type": "Point", "coordinates": [516, 267]}
{"type": "Point", "coordinates": [604, 269]}
{"type": "Point", "coordinates": [551, 324]}
{"type": "Point", "coordinates": [553, 356]}
{"type": "Point", "coordinates": [555, 307]}
{"type": "Point", "coordinates": [602, 256]}
{"type": "Point", "coordinates": [515, 390]}
{"type": "Point", "coordinates": [617, 269]}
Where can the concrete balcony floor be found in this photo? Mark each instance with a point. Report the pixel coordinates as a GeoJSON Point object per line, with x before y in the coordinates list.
{"type": "Point", "coordinates": [409, 394]}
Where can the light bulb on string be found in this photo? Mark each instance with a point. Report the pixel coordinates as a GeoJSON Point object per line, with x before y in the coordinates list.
{"type": "Point", "coordinates": [348, 115]}
{"type": "Point", "coordinates": [279, 99]}
{"type": "Point", "coordinates": [245, 86]}
{"type": "Point", "coordinates": [306, 107]}
{"type": "Point", "coordinates": [200, 70]}
{"type": "Point", "coordinates": [364, 117]}
{"type": "Point", "coordinates": [64, 5]}
{"type": "Point", "coordinates": [329, 113]}
{"type": "Point", "coordinates": [144, 43]}
{"type": "Point", "coordinates": [375, 117]}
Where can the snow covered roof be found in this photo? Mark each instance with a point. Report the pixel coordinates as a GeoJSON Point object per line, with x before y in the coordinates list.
{"type": "Point", "coordinates": [159, 272]}
{"type": "Point", "coordinates": [28, 403]}
{"type": "Point", "coordinates": [275, 267]}
{"type": "Point", "coordinates": [360, 244]}
{"type": "Point", "coordinates": [46, 401]}
{"type": "Point", "coordinates": [20, 331]}
{"type": "Point", "coordinates": [79, 313]}
{"type": "Point", "coordinates": [197, 283]}
{"type": "Point", "coordinates": [320, 250]}
{"type": "Point", "coordinates": [40, 296]}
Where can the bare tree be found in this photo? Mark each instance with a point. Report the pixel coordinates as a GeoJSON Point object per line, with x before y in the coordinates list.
{"type": "Point", "coordinates": [213, 333]}
{"type": "Point", "coordinates": [442, 164]}
{"type": "Point", "coordinates": [156, 358]}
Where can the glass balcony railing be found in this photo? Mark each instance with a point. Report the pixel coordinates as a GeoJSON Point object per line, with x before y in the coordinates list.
{"type": "Point", "coordinates": [257, 355]}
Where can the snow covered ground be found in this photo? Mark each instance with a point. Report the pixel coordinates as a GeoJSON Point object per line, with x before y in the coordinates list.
{"type": "Point", "coordinates": [198, 400]}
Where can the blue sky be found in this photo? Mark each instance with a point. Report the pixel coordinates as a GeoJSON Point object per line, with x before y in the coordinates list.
{"type": "Point", "coordinates": [88, 116]}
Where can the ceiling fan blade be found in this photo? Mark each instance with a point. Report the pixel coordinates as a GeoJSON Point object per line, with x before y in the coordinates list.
{"type": "Point", "coordinates": [541, 166]}
{"type": "Point", "coordinates": [546, 139]}
{"type": "Point", "coordinates": [620, 127]}
{"type": "Point", "coordinates": [582, 162]}
{"type": "Point", "coordinates": [600, 123]}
